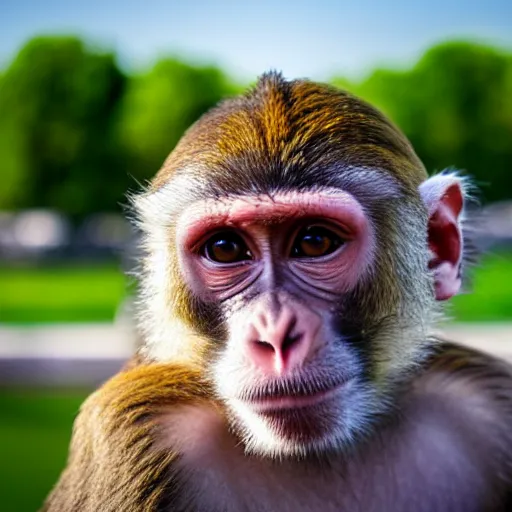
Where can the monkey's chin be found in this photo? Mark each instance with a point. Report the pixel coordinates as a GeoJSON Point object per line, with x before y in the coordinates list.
{"type": "Point", "coordinates": [297, 427]}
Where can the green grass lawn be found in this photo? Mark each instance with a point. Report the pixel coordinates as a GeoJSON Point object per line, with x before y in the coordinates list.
{"type": "Point", "coordinates": [61, 294]}
{"type": "Point", "coordinates": [35, 428]}
{"type": "Point", "coordinates": [93, 293]}
{"type": "Point", "coordinates": [489, 298]}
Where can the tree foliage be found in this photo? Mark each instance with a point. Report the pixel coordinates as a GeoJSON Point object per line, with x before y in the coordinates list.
{"type": "Point", "coordinates": [58, 100]}
{"type": "Point", "coordinates": [76, 132]}
{"type": "Point", "coordinates": [160, 105]}
{"type": "Point", "coordinates": [455, 105]}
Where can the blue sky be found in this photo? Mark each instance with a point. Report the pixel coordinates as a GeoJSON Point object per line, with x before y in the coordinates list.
{"type": "Point", "coordinates": [317, 39]}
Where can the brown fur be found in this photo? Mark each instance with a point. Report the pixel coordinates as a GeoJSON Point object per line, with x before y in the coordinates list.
{"type": "Point", "coordinates": [113, 464]}
{"type": "Point", "coordinates": [297, 124]}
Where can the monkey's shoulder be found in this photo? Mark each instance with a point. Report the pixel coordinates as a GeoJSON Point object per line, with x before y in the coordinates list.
{"type": "Point", "coordinates": [141, 418]}
{"type": "Point", "coordinates": [465, 374]}
{"type": "Point", "coordinates": [472, 392]}
{"type": "Point", "coordinates": [142, 391]}
{"type": "Point", "coordinates": [147, 410]}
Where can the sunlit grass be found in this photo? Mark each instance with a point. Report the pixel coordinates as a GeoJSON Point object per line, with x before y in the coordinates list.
{"type": "Point", "coordinates": [489, 298]}
{"type": "Point", "coordinates": [35, 429]}
{"type": "Point", "coordinates": [61, 293]}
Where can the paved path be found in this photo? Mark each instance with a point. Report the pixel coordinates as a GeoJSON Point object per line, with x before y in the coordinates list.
{"type": "Point", "coordinates": [493, 338]}
{"type": "Point", "coordinates": [71, 355]}
{"type": "Point", "coordinates": [87, 354]}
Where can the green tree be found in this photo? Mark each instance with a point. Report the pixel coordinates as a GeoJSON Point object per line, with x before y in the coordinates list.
{"type": "Point", "coordinates": [57, 103]}
{"type": "Point", "coordinates": [160, 105]}
{"type": "Point", "coordinates": [455, 105]}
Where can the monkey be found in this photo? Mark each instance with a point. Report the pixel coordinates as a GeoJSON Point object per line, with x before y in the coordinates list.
{"type": "Point", "coordinates": [297, 257]}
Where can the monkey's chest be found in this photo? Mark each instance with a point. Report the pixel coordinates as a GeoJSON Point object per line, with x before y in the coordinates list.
{"type": "Point", "coordinates": [428, 468]}
{"type": "Point", "coordinates": [379, 485]}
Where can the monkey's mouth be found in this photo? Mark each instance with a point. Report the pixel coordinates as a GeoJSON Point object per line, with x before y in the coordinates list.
{"type": "Point", "coordinates": [279, 403]}
{"type": "Point", "coordinates": [300, 410]}
{"type": "Point", "coordinates": [291, 396]}
{"type": "Point", "coordinates": [304, 417]}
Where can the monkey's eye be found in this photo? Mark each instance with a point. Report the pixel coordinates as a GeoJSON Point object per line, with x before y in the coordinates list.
{"type": "Point", "coordinates": [226, 247]}
{"type": "Point", "coordinates": [314, 242]}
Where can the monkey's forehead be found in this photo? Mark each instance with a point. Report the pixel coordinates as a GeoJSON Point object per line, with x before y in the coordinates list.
{"type": "Point", "coordinates": [208, 214]}
{"type": "Point", "coordinates": [296, 133]}
{"type": "Point", "coordinates": [363, 190]}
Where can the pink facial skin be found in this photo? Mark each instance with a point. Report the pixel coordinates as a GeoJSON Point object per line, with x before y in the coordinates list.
{"type": "Point", "coordinates": [269, 225]}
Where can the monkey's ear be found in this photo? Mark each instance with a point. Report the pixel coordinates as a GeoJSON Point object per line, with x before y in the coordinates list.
{"type": "Point", "coordinates": [444, 197]}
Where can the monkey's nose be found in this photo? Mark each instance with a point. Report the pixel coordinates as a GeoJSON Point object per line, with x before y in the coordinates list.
{"type": "Point", "coordinates": [282, 341]}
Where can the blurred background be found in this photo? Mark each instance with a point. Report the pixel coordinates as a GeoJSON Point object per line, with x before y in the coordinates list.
{"type": "Point", "coordinates": [94, 95]}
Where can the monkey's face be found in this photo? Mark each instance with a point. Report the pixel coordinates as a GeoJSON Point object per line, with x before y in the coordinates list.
{"type": "Point", "coordinates": [281, 272]}
{"type": "Point", "coordinates": [295, 254]}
